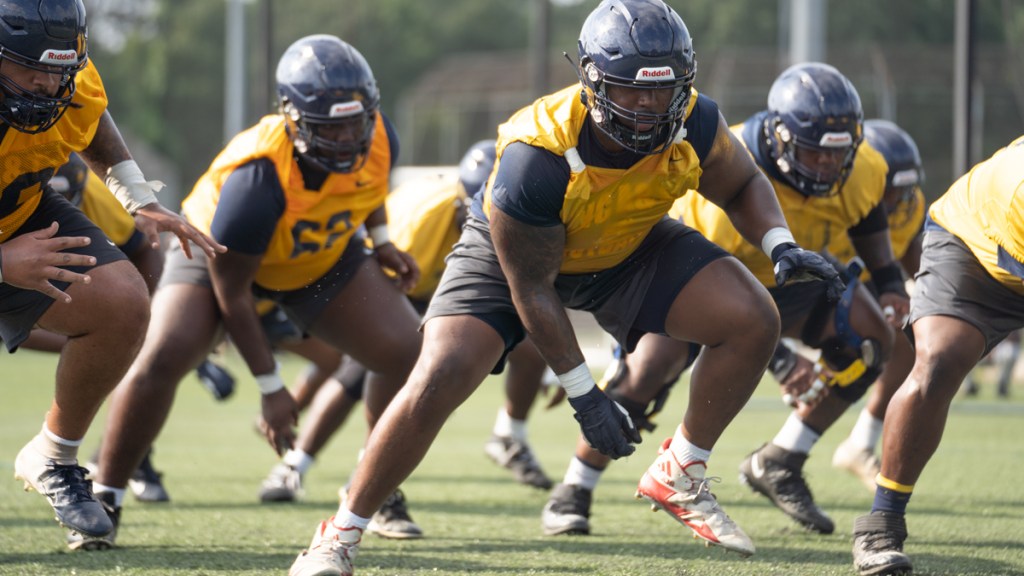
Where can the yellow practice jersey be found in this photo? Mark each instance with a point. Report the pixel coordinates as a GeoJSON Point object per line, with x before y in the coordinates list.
{"type": "Point", "coordinates": [985, 209]}
{"type": "Point", "coordinates": [606, 212]}
{"type": "Point", "coordinates": [316, 224]}
{"type": "Point", "coordinates": [422, 222]}
{"type": "Point", "coordinates": [100, 205]}
{"type": "Point", "coordinates": [29, 160]}
{"type": "Point", "coordinates": [904, 225]}
{"type": "Point", "coordinates": [814, 221]}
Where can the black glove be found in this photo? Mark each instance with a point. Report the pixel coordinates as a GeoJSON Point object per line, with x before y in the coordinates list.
{"type": "Point", "coordinates": [606, 425]}
{"type": "Point", "coordinates": [794, 264]}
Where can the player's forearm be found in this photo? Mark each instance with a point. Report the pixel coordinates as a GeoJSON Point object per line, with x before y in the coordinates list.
{"type": "Point", "coordinates": [549, 328]}
{"type": "Point", "coordinates": [242, 324]}
{"type": "Point", "coordinates": [531, 257]}
{"type": "Point", "coordinates": [755, 211]}
{"type": "Point", "coordinates": [107, 148]}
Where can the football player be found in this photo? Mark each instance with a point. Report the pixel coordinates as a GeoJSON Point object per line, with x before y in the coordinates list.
{"type": "Point", "coordinates": [57, 269]}
{"type": "Point", "coordinates": [806, 143]}
{"type": "Point", "coordinates": [969, 295]}
{"type": "Point", "coordinates": [425, 217]}
{"type": "Point", "coordinates": [809, 142]}
{"type": "Point", "coordinates": [574, 215]}
{"type": "Point", "coordinates": [288, 197]}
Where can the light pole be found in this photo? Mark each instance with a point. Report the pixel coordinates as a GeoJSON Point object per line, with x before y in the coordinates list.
{"type": "Point", "coordinates": [234, 68]}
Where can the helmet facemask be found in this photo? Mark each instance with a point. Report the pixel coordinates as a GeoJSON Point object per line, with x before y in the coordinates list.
{"type": "Point", "coordinates": [315, 135]}
{"type": "Point", "coordinates": [28, 111]}
{"type": "Point", "coordinates": [784, 146]}
{"type": "Point", "coordinates": [622, 124]}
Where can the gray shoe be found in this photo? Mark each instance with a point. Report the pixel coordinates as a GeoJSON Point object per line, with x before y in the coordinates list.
{"type": "Point", "coordinates": [283, 484]}
{"type": "Point", "coordinates": [67, 490]}
{"type": "Point", "coordinates": [517, 457]}
{"type": "Point", "coordinates": [567, 511]}
{"type": "Point", "coordinates": [79, 541]}
{"type": "Point", "coordinates": [777, 474]}
{"type": "Point", "coordinates": [147, 483]}
{"type": "Point", "coordinates": [878, 545]}
{"type": "Point", "coordinates": [393, 520]}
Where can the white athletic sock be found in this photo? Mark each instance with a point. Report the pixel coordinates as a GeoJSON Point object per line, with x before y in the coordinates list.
{"type": "Point", "coordinates": [298, 460]}
{"type": "Point", "coordinates": [117, 492]}
{"type": "Point", "coordinates": [867, 431]}
{"type": "Point", "coordinates": [344, 518]}
{"type": "Point", "coordinates": [686, 452]}
{"type": "Point", "coordinates": [796, 436]}
{"type": "Point", "coordinates": [507, 427]}
{"type": "Point", "coordinates": [579, 473]}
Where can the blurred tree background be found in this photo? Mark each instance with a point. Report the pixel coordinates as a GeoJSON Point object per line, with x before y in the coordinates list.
{"type": "Point", "coordinates": [451, 70]}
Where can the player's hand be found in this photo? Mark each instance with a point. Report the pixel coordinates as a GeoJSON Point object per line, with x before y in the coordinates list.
{"type": "Point", "coordinates": [605, 424]}
{"type": "Point", "coordinates": [805, 384]}
{"type": "Point", "coordinates": [31, 261]}
{"type": "Point", "coordinates": [279, 418]}
{"type": "Point", "coordinates": [794, 264]}
{"type": "Point", "coordinates": [391, 258]}
{"type": "Point", "coordinates": [895, 308]}
{"type": "Point", "coordinates": [152, 219]}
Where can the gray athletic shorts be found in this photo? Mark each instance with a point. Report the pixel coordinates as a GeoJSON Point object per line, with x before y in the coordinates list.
{"type": "Point", "coordinates": [21, 309]}
{"type": "Point", "coordinates": [951, 282]}
{"type": "Point", "coordinates": [303, 306]}
{"type": "Point", "coordinates": [627, 300]}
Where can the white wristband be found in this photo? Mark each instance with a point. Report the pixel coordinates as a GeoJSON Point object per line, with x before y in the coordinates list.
{"type": "Point", "coordinates": [269, 383]}
{"type": "Point", "coordinates": [130, 187]}
{"type": "Point", "coordinates": [379, 235]}
{"type": "Point", "coordinates": [774, 237]}
{"type": "Point", "coordinates": [577, 381]}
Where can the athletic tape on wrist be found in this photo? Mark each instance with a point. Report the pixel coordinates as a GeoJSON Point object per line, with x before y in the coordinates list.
{"type": "Point", "coordinates": [774, 237]}
{"type": "Point", "coordinates": [130, 187]}
{"type": "Point", "coordinates": [577, 381]}
{"type": "Point", "coordinates": [269, 383]}
{"type": "Point", "coordinates": [379, 235]}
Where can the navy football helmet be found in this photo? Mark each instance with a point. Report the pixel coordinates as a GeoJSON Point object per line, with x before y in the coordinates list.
{"type": "Point", "coordinates": [476, 165]}
{"type": "Point", "coordinates": [636, 44]}
{"type": "Point", "coordinates": [906, 173]}
{"type": "Point", "coordinates": [47, 36]}
{"type": "Point", "coordinates": [329, 98]}
{"type": "Point", "coordinates": [813, 107]}
{"type": "Point", "coordinates": [70, 179]}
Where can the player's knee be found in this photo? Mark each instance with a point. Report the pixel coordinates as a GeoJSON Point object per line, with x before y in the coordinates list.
{"type": "Point", "coordinates": [122, 309]}
{"type": "Point", "coordinates": [764, 324]}
{"type": "Point", "coordinates": [940, 371]}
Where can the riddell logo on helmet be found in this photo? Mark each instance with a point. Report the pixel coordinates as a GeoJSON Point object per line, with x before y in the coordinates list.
{"type": "Point", "coordinates": [58, 56]}
{"type": "Point", "coordinates": [836, 140]}
{"type": "Point", "coordinates": [341, 109]}
{"type": "Point", "coordinates": [660, 73]}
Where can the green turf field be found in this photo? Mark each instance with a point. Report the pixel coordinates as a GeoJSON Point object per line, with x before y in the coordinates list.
{"type": "Point", "coordinates": [967, 517]}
